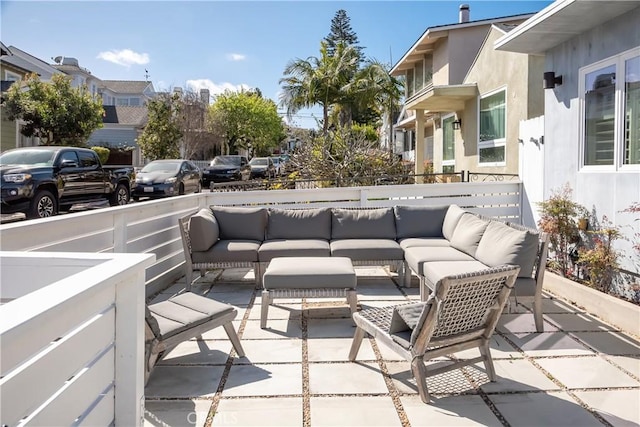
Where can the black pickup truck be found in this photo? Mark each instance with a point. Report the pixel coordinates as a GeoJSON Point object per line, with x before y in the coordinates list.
{"type": "Point", "coordinates": [41, 181]}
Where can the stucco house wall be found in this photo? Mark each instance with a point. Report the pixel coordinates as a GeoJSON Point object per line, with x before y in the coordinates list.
{"type": "Point", "coordinates": [521, 76]}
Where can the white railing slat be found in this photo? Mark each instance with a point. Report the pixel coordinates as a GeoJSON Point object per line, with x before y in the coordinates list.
{"type": "Point", "coordinates": [78, 394]}
{"type": "Point", "coordinates": [69, 355]}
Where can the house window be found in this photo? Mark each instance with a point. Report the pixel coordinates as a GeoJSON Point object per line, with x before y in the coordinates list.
{"type": "Point", "coordinates": [448, 146]}
{"type": "Point", "coordinates": [419, 75]}
{"type": "Point", "coordinates": [409, 83]}
{"type": "Point", "coordinates": [11, 77]}
{"type": "Point", "coordinates": [610, 97]}
{"type": "Point", "coordinates": [493, 120]}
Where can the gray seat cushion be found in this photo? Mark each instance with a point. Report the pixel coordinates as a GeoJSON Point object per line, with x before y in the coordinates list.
{"type": "Point", "coordinates": [367, 249]}
{"type": "Point", "coordinates": [363, 224]}
{"type": "Point", "coordinates": [453, 215]}
{"type": "Point", "coordinates": [203, 230]}
{"type": "Point", "coordinates": [436, 271]}
{"type": "Point", "coordinates": [468, 233]}
{"type": "Point", "coordinates": [185, 311]}
{"type": "Point", "coordinates": [299, 224]}
{"type": "Point", "coordinates": [241, 223]}
{"type": "Point", "coordinates": [309, 273]}
{"type": "Point", "coordinates": [501, 244]}
{"type": "Point", "coordinates": [290, 248]}
{"type": "Point", "coordinates": [229, 251]}
{"type": "Point", "coordinates": [417, 256]}
{"type": "Point", "coordinates": [412, 242]}
{"type": "Point", "coordinates": [419, 221]}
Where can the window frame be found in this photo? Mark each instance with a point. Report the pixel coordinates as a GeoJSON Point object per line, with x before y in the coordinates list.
{"type": "Point", "coordinates": [619, 61]}
{"type": "Point", "coordinates": [447, 120]}
{"type": "Point", "coordinates": [497, 142]}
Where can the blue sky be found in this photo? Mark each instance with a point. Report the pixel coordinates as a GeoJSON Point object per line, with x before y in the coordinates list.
{"type": "Point", "coordinates": [221, 44]}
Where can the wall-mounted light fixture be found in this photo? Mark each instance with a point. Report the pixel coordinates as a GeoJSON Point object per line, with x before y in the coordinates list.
{"type": "Point", "coordinates": [457, 124]}
{"type": "Point", "coordinates": [551, 80]}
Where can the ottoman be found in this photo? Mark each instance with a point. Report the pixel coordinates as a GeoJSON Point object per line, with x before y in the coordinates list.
{"type": "Point", "coordinates": [308, 277]}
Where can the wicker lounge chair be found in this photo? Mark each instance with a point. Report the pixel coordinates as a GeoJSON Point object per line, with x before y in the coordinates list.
{"type": "Point", "coordinates": [181, 318]}
{"type": "Point", "coordinates": [461, 313]}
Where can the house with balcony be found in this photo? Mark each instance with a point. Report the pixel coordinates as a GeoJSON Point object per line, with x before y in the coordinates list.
{"type": "Point", "coordinates": [591, 53]}
{"type": "Point", "coordinates": [452, 84]}
{"type": "Point", "coordinates": [15, 64]}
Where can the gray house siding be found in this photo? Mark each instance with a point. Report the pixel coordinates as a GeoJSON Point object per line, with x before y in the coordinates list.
{"type": "Point", "coordinates": [114, 137]}
{"type": "Point", "coordinates": [602, 192]}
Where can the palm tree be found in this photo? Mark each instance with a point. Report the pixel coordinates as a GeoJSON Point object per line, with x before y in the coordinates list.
{"type": "Point", "coordinates": [319, 81]}
{"type": "Point", "coordinates": [374, 86]}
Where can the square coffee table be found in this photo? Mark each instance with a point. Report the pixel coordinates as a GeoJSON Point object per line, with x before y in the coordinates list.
{"type": "Point", "coordinates": [308, 277]}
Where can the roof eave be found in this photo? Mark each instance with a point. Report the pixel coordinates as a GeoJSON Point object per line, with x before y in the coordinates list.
{"type": "Point", "coordinates": [548, 28]}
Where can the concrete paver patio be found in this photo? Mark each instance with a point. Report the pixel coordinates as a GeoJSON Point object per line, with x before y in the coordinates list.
{"type": "Point", "coordinates": [579, 372]}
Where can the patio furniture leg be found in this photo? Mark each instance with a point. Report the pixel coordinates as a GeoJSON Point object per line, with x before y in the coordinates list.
{"type": "Point", "coordinates": [488, 361]}
{"type": "Point", "coordinates": [420, 374]}
{"type": "Point", "coordinates": [352, 299]}
{"type": "Point", "coordinates": [188, 275]}
{"type": "Point", "coordinates": [537, 313]}
{"type": "Point", "coordinates": [355, 344]}
{"type": "Point", "coordinates": [266, 300]}
{"type": "Point", "coordinates": [406, 275]}
{"type": "Point", "coordinates": [233, 337]}
{"type": "Point", "coordinates": [423, 289]}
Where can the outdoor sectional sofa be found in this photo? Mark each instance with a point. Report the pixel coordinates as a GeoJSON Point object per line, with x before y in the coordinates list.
{"type": "Point", "coordinates": [431, 241]}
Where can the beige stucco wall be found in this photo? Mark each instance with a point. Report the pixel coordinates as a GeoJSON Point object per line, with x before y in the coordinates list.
{"type": "Point", "coordinates": [521, 76]}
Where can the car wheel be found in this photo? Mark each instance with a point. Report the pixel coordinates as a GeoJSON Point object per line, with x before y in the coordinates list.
{"type": "Point", "coordinates": [43, 205]}
{"type": "Point", "coordinates": [120, 196]}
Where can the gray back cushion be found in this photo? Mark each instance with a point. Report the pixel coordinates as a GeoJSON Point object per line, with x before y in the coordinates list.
{"type": "Point", "coordinates": [453, 215]}
{"type": "Point", "coordinates": [241, 223]}
{"type": "Point", "coordinates": [363, 223]}
{"type": "Point", "coordinates": [468, 233]}
{"type": "Point", "coordinates": [203, 230]}
{"type": "Point", "coordinates": [501, 244]}
{"type": "Point", "coordinates": [299, 224]}
{"type": "Point", "coordinates": [419, 221]}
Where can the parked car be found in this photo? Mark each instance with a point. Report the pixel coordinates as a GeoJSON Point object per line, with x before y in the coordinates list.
{"type": "Point", "coordinates": [41, 181]}
{"type": "Point", "coordinates": [278, 165]}
{"type": "Point", "coordinates": [163, 178]}
{"type": "Point", "coordinates": [262, 167]}
{"type": "Point", "coordinates": [226, 168]}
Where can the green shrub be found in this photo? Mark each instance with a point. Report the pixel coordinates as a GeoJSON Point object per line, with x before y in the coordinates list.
{"type": "Point", "coordinates": [103, 153]}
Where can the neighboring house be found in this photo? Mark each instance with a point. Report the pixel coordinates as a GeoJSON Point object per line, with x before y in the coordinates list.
{"type": "Point", "coordinates": [592, 105]}
{"type": "Point", "coordinates": [509, 92]}
{"type": "Point", "coordinates": [132, 93]}
{"type": "Point", "coordinates": [15, 64]}
{"type": "Point", "coordinates": [435, 69]}
{"type": "Point", "coordinates": [121, 127]}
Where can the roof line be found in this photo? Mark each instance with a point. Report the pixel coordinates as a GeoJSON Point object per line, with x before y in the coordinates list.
{"type": "Point", "coordinates": [458, 25]}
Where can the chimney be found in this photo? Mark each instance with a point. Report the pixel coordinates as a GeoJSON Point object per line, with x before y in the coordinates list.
{"type": "Point", "coordinates": [204, 96]}
{"type": "Point", "coordinates": [464, 13]}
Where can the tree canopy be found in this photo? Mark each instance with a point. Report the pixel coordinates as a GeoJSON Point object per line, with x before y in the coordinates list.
{"type": "Point", "coordinates": [55, 112]}
{"type": "Point", "coordinates": [161, 137]}
{"type": "Point", "coordinates": [247, 120]}
{"type": "Point", "coordinates": [341, 32]}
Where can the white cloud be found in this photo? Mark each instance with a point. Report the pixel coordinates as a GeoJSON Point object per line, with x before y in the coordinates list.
{"type": "Point", "coordinates": [236, 57]}
{"type": "Point", "coordinates": [125, 57]}
{"type": "Point", "coordinates": [215, 88]}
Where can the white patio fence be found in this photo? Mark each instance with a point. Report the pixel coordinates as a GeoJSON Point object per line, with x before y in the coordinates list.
{"type": "Point", "coordinates": [152, 226]}
{"type": "Point", "coordinates": [72, 338]}
{"type": "Point", "coordinates": [76, 285]}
